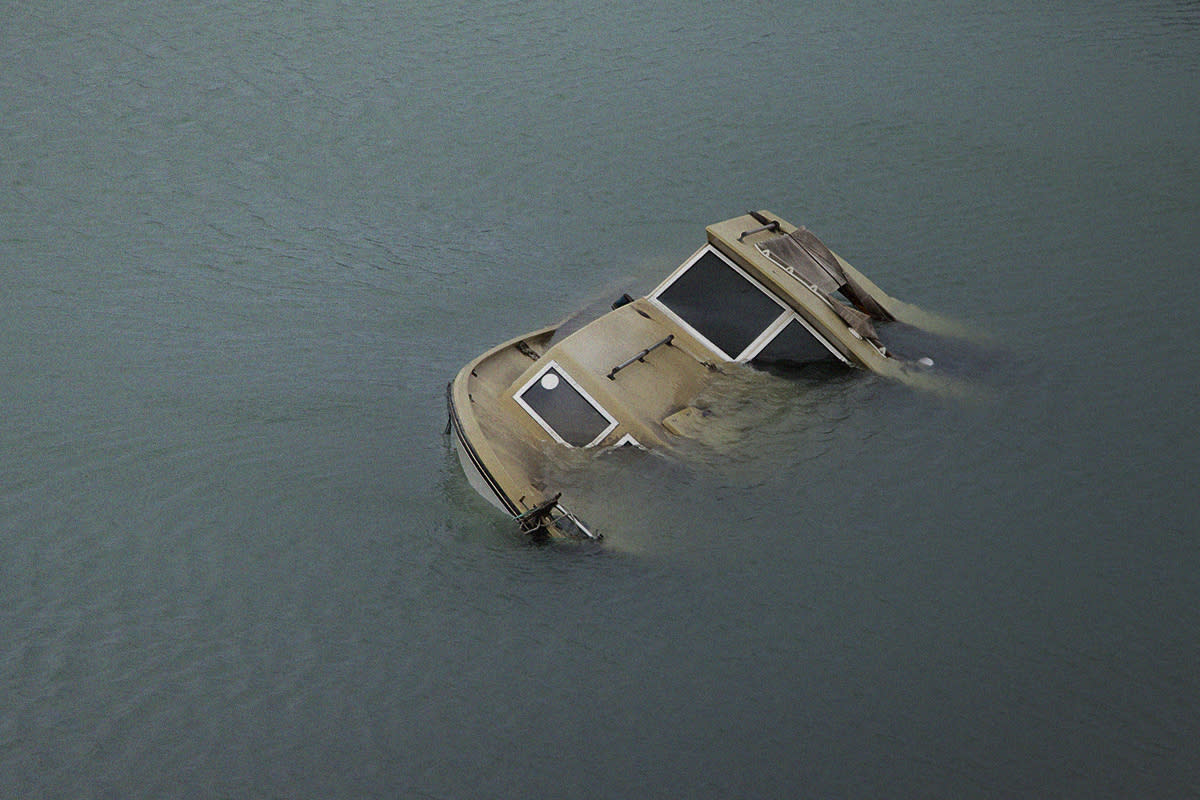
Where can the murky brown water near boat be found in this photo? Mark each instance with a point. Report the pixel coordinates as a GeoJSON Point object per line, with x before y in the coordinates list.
{"type": "Point", "coordinates": [243, 248]}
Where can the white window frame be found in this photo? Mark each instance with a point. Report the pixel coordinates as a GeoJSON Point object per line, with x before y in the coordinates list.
{"type": "Point", "coordinates": [537, 376]}
{"type": "Point", "coordinates": [815, 335]}
{"type": "Point", "coordinates": [786, 313]}
{"type": "Point", "coordinates": [627, 439]}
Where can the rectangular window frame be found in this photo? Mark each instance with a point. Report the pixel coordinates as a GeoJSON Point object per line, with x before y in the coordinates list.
{"type": "Point", "coordinates": [595, 404]}
{"type": "Point", "coordinates": [814, 333]}
{"type": "Point", "coordinates": [786, 315]}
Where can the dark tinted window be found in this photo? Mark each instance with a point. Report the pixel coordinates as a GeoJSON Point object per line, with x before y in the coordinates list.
{"type": "Point", "coordinates": [723, 306]}
{"type": "Point", "coordinates": [564, 409]}
{"type": "Point", "coordinates": [794, 346]}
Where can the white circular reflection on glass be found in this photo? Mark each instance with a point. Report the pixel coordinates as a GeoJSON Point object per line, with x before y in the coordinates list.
{"type": "Point", "coordinates": [549, 381]}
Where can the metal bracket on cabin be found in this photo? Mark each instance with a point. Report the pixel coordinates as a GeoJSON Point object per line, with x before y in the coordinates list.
{"type": "Point", "coordinates": [524, 349]}
{"type": "Point", "coordinates": [623, 300]}
{"type": "Point", "coordinates": [612, 375]}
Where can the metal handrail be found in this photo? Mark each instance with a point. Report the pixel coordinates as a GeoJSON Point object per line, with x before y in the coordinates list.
{"type": "Point", "coordinates": [612, 375]}
{"type": "Point", "coordinates": [773, 225]}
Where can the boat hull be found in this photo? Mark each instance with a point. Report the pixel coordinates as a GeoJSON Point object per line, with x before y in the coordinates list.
{"type": "Point", "coordinates": [477, 474]}
{"type": "Point", "coordinates": [495, 454]}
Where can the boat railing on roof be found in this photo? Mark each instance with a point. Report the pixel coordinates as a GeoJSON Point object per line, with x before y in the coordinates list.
{"type": "Point", "coordinates": [612, 374]}
{"type": "Point", "coordinates": [773, 225]}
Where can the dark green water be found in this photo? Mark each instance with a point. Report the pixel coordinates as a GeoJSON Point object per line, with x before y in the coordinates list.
{"type": "Point", "coordinates": [244, 246]}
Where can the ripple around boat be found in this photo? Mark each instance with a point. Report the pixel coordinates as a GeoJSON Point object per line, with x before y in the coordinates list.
{"type": "Point", "coordinates": [760, 292]}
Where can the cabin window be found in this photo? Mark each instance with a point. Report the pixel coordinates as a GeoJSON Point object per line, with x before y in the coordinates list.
{"type": "Point", "coordinates": [720, 302]}
{"type": "Point", "coordinates": [737, 316]}
{"type": "Point", "coordinates": [564, 409]}
{"type": "Point", "coordinates": [795, 345]}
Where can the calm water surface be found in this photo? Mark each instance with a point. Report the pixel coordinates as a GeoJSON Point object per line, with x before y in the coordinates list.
{"type": "Point", "coordinates": [244, 246]}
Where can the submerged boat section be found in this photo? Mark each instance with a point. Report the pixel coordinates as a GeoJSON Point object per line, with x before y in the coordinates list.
{"type": "Point", "coordinates": [759, 291]}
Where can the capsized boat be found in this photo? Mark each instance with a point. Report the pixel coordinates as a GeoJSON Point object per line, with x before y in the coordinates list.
{"type": "Point", "coordinates": [760, 291]}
